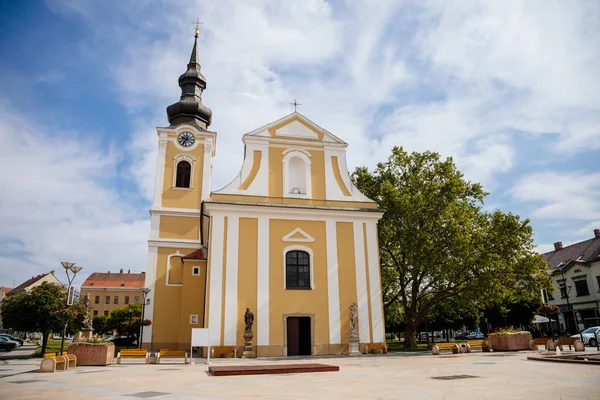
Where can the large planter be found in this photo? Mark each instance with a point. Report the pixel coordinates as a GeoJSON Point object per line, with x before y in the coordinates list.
{"type": "Point", "coordinates": [510, 342]}
{"type": "Point", "coordinates": [93, 354]}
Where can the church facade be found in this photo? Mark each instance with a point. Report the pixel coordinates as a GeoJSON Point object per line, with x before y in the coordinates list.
{"type": "Point", "coordinates": [290, 237]}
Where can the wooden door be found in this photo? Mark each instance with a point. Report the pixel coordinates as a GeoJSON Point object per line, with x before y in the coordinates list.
{"type": "Point", "coordinates": [293, 336]}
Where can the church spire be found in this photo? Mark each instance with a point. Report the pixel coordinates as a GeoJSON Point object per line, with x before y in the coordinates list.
{"type": "Point", "coordinates": [189, 108]}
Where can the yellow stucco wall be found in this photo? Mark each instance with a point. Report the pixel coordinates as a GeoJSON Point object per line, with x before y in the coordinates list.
{"type": "Point", "coordinates": [317, 174]}
{"type": "Point", "coordinates": [179, 227]}
{"type": "Point", "coordinates": [247, 272]}
{"type": "Point", "coordinates": [275, 172]}
{"type": "Point", "coordinates": [167, 303]}
{"type": "Point", "coordinates": [192, 301]}
{"type": "Point", "coordinates": [101, 306]}
{"type": "Point", "coordinates": [284, 301]}
{"type": "Point", "coordinates": [178, 197]}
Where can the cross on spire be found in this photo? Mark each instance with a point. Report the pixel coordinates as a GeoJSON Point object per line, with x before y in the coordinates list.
{"type": "Point", "coordinates": [197, 23]}
{"type": "Point", "coordinates": [295, 104]}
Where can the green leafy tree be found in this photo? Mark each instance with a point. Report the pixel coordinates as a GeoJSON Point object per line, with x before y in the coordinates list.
{"type": "Point", "coordinates": [42, 309]}
{"type": "Point", "coordinates": [125, 320]}
{"type": "Point", "coordinates": [438, 246]}
{"type": "Point", "coordinates": [99, 323]}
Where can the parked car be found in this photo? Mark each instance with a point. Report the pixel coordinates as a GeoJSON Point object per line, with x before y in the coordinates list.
{"type": "Point", "coordinates": [7, 345]}
{"type": "Point", "coordinates": [122, 340]}
{"type": "Point", "coordinates": [589, 337]}
{"type": "Point", "coordinates": [475, 335]}
{"type": "Point", "coordinates": [461, 336]}
{"type": "Point", "coordinates": [14, 339]}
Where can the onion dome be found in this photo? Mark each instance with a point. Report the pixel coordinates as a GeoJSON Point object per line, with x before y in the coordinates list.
{"type": "Point", "coordinates": [189, 108]}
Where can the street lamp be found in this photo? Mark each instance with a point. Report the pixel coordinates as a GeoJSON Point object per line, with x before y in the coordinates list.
{"type": "Point", "coordinates": [145, 291]}
{"type": "Point", "coordinates": [567, 291]}
{"type": "Point", "coordinates": [68, 266]}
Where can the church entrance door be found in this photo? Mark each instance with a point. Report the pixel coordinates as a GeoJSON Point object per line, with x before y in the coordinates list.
{"type": "Point", "coordinates": [298, 336]}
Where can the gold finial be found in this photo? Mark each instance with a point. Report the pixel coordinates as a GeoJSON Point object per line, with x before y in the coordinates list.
{"type": "Point", "coordinates": [197, 23]}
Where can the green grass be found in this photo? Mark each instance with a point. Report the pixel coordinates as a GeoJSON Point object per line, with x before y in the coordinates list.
{"type": "Point", "coordinates": [397, 345]}
{"type": "Point", "coordinates": [52, 347]}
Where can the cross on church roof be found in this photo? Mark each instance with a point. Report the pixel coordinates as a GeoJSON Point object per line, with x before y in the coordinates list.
{"type": "Point", "coordinates": [197, 23]}
{"type": "Point", "coordinates": [295, 104]}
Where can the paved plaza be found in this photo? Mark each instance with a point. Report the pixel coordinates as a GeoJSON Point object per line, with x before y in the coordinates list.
{"type": "Point", "coordinates": [392, 376]}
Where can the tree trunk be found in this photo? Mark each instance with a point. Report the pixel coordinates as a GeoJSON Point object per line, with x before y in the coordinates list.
{"type": "Point", "coordinates": [410, 340]}
{"type": "Point", "coordinates": [44, 342]}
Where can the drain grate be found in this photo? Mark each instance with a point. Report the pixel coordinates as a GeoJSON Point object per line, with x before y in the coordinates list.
{"type": "Point", "coordinates": [484, 362]}
{"type": "Point", "coordinates": [452, 377]}
{"type": "Point", "coordinates": [147, 394]}
{"type": "Point", "coordinates": [89, 372]}
{"type": "Point", "coordinates": [170, 369]}
{"type": "Point", "coordinates": [26, 381]}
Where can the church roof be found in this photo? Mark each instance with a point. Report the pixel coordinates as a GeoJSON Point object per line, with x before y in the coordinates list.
{"type": "Point", "coordinates": [116, 279]}
{"type": "Point", "coordinates": [200, 254]}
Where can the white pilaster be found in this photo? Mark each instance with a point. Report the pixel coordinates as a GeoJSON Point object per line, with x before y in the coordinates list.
{"type": "Point", "coordinates": [333, 289]}
{"type": "Point", "coordinates": [150, 283]}
{"type": "Point", "coordinates": [207, 167]}
{"type": "Point", "coordinates": [375, 286]}
{"type": "Point", "coordinates": [160, 169]}
{"type": "Point", "coordinates": [262, 301]}
{"type": "Point", "coordinates": [361, 283]}
{"type": "Point", "coordinates": [216, 279]}
{"type": "Point", "coordinates": [231, 282]}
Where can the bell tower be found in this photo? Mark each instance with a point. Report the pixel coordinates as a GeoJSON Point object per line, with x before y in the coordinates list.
{"type": "Point", "coordinates": [183, 171]}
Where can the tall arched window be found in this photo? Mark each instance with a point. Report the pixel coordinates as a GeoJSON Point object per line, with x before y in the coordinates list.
{"type": "Point", "coordinates": [297, 270]}
{"type": "Point", "coordinates": [184, 171]}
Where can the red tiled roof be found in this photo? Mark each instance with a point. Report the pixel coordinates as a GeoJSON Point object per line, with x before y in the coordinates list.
{"type": "Point", "coordinates": [30, 282]}
{"type": "Point", "coordinates": [115, 279]}
{"type": "Point", "coordinates": [4, 290]}
{"type": "Point", "coordinates": [200, 254]}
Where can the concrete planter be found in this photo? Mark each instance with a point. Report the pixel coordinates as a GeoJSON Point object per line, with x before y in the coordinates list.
{"type": "Point", "coordinates": [510, 342]}
{"type": "Point", "coordinates": [93, 355]}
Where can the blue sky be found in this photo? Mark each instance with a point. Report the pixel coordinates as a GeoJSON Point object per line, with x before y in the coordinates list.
{"type": "Point", "coordinates": [510, 90]}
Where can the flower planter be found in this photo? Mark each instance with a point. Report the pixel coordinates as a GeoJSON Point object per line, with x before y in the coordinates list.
{"type": "Point", "coordinates": [510, 342]}
{"type": "Point", "coordinates": [93, 354]}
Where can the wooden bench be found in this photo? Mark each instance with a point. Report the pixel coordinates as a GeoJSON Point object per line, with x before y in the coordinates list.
{"type": "Point", "coordinates": [52, 362]}
{"type": "Point", "coordinates": [223, 350]}
{"type": "Point", "coordinates": [376, 348]}
{"type": "Point", "coordinates": [71, 358]}
{"type": "Point", "coordinates": [569, 342]}
{"type": "Point", "coordinates": [479, 344]}
{"type": "Point", "coordinates": [534, 343]}
{"type": "Point", "coordinates": [133, 353]}
{"type": "Point", "coordinates": [167, 353]}
{"type": "Point", "coordinates": [437, 347]}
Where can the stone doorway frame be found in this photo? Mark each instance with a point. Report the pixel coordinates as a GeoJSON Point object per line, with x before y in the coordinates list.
{"type": "Point", "coordinates": [312, 331]}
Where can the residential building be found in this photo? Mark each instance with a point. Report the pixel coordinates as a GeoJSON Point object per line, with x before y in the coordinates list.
{"type": "Point", "coordinates": [576, 276]}
{"type": "Point", "coordinates": [290, 238]}
{"type": "Point", "coordinates": [35, 281]}
{"type": "Point", "coordinates": [3, 292]}
{"type": "Point", "coordinates": [109, 291]}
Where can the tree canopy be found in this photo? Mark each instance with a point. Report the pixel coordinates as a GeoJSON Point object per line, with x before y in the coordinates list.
{"type": "Point", "coordinates": [42, 309]}
{"type": "Point", "coordinates": [125, 320]}
{"type": "Point", "coordinates": [438, 246]}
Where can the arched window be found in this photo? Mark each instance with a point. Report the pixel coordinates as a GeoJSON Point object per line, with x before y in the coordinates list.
{"type": "Point", "coordinates": [184, 171]}
{"type": "Point", "coordinates": [296, 174]}
{"type": "Point", "coordinates": [297, 270]}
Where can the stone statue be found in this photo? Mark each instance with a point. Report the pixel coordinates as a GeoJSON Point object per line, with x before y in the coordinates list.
{"type": "Point", "coordinates": [88, 318]}
{"type": "Point", "coordinates": [249, 320]}
{"type": "Point", "coordinates": [353, 317]}
{"type": "Point", "coordinates": [86, 300]}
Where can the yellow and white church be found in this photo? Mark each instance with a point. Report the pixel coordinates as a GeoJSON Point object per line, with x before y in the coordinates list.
{"type": "Point", "coordinates": [291, 238]}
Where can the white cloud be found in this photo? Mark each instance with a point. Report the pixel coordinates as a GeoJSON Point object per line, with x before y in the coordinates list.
{"type": "Point", "coordinates": [60, 202]}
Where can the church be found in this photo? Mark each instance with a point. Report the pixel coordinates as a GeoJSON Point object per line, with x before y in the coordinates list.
{"type": "Point", "coordinates": [290, 237]}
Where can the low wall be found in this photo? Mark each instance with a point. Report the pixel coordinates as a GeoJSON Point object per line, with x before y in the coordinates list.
{"type": "Point", "coordinates": [511, 342]}
{"type": "Point", "coordinates": [93, 355]}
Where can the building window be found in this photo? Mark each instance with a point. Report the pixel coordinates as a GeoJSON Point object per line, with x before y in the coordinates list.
{"type": "Point", "coordinates": [598, 280]}
{"type": "Point", "coordinates": [582, 287]}
{"type": "Point", "coordinates": [106, 313]}
{"type": "Point", "coordinates": [126, 299]}
{"type": "Point", "coordinates": [97, 300]}
{"type": "Point", "coordinates": [184, 172]}
{"type": "Point", "coordinates": [297, 270]}
{"type": "Point", "coordinates": [95, 312]}
{"type": "Point", "coordinates": [116, 301]}
{"type": "Point", "coordinates": [196, 271]}
{"type": "Point", "coordinates": [137, 299]}
{"type": "Point", "coordinates": [563, 292]}
{"type": "Point", "coordinates": [107, 300]}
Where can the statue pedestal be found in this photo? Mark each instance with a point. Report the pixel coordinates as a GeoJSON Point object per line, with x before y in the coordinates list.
{"type": "Point", "coordinates": [353, 348]}
{"type": "Point", "coordinates": [84, 335]}
{"type": "Point", "coordinates": [248, 352]}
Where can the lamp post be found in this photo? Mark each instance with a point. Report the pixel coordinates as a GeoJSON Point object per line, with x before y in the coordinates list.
{"type": "Point", "coordinates": [145, 291]}
{"type": "Point", "coordinates": [68, 266]}
{"type": "Point", "coordinates": [567, 291]}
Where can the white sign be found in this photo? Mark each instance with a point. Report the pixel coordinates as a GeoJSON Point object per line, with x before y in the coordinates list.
{"type": "Point", "coordinates": [200, 337]}
{"type": "Point", "coordinates": [70, 295]}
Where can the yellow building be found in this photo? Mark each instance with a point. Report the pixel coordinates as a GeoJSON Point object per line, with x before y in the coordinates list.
{"type": "Point", "coordinates": [290, 237]}
{"type": "Point", "coordinates": [109, 291]}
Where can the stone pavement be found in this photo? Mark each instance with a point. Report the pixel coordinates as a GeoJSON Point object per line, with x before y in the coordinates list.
{"type": "Point", "coordinates": [389, 377]}
{"type": "Point", "coordinates": [25, 351]}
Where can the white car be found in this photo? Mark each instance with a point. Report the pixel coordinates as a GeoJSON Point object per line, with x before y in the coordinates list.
{"type": "Point", "coordinates": [475, 335]}
{"type": "Point", "coordinates": [589, 335]}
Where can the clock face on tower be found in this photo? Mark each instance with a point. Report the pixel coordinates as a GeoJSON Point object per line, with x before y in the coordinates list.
{"type": "Point", "coordinates": [186, 139]}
